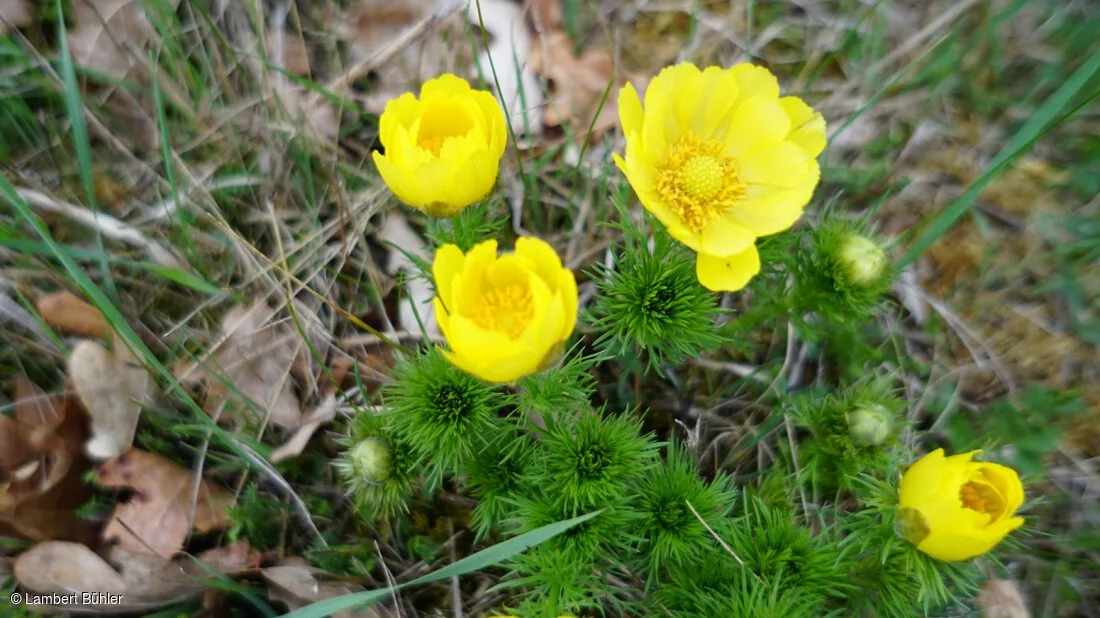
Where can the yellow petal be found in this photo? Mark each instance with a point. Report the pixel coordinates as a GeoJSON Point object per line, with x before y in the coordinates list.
{"type": "Point", "coordinates": [807, 126]}
{"type": "Point", "coordinates": [478, 345]}
{"type": "Point", "coordinates": [495, 123]}
{"type": "Point", "coordinates": [922, 481]}
{"type": "Point", "coordinates": [727, 274]}
{"type": "Point", "coordinates": [661, 125]}
{"type": "Point", "coordinates": [669, 219]}
{"type": "Point", "coordinates": [722, 237]}
{"type": "Point", "coordinates": [542, 256]}
{"type": "Point", "coordinates": [445, 86]}
{"type": "Point", "coordinates": [447, 265]}
{"type": "Point", "coordinates": [402, 111]}
{"type": "Point", "coordinates": [953, 545]}
{"type": "Point", "coordinates": [397, 179]}
{"type": "Point", "coordinates": [777, 165]}
{"type": "Point", "coordinates": [757, 123]}
{"type": "Point", "coordinates": [567, 285]}
{"type": "Point", "coordinates": [770, 210]}
{"type": "Point", "coordinates": [720, 96]}
{"type": "Point", "coordinates": [755, 81]}
{"type": "Point", "coordinates": [640, 169]}
{"type": "Point", "coordinates": [1007, 483]}
{"type": "Point", "coordinates": [630, 110]}
{"type": "Point", "coordinates": [469, 287]}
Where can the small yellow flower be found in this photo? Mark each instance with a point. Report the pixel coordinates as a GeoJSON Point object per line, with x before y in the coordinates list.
{"type": "Point", "coordinates": [954, 509]}
{"type": "Point", "coordinates": [504, 317]}
{"type": "Point", "coordinates": [720, 159]}
{"type": "Point", "coordinates": [443, 150]}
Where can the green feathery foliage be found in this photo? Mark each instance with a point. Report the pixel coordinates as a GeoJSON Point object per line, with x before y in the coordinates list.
{"type": "Point", "coordinates": [590, 460]}
{"type": "Point", "coordinates": [567, 387]}
{"type": "Point", "coordinates": [497, 475]}
{"type": "Point", "coordinates": [442, 412]}
{"type": "Point", "coordinates": [672, 533]}
{"type": "Point", "coordinates": [473, 225]}
{"type": "Point", "coordinates": [650, 300]}
{"type": "Point", "coordinates": [380, 491]}
{"type": "Point", "coordinates": [851, 432]}
{"type": "Point", "coordinates": [844, 272]}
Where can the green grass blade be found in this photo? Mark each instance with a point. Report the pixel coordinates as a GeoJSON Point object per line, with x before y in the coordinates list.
{"type": "Point", "coordinates": [1032, 130]}
{"type": "Point", "coordinates": [74, 105]}
{"type": "Point", "coordinates": [480, 560]}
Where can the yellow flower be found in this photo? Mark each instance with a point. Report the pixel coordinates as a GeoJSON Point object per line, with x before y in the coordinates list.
{"type": "Point", "coordinates": [442, 151]}
{"type": "Point", "coordinates": [954, 509]}
{"type": "Point", "coordinates": [504, 317]}
{"type": "Point", "coordinates": [720, 159]}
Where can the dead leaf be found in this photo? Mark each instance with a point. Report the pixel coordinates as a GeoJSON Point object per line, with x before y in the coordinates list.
{"type": "Point", "coordinates": [509, 52]}
{"type": "Point", "coordinates": [296, 586]}
{"type": "Point", "coordinates": [298, 441]}
{"type": "Point", "coordinates": [233, 559]}
{"type": "Point", "coordinates": [1001, 598]}
{"type": "Point", "coordinates": [144, 581]}
{"type": "Point", "coordinates": [577, 83]}
{"type": "Point", "coordinates": [41, 479]}
{"type": "Point", "coordinates": [258, 356]}
{"type": "Point", "coordinates": [104, 30]}
{"type": "Point", "coordinates": [67, 311]}
{"type": "Point", "coordinates": [64, 567]}
{"type": "Point", "coordinates": [113, 385]}
{"type": "Point", "coordinates": [402, 239]}
{"type": "Point", "coordinates": [158, 517]}
{"type": "Point", "coordinates": [14, 14]}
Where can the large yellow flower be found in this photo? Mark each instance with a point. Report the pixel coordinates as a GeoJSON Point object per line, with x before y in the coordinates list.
{"type": "Point", "coordinates": [720, 159]}
{"type": "Point", "coordinates": [504, 317]}
{"type": "Point", "coordinates": [443, 150]}
{"type": "Point", "coordinates": [953, 508]}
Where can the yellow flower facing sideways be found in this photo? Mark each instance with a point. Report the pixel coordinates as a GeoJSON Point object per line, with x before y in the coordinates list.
{"type": "Point", "coordinates": [953, 508]}
{"type": "Point", "coordinates": [720, 159]}
{"type": "Point", "coordinates": [443, 150]}
{"type": "Point", "coordinates": [504, 317]}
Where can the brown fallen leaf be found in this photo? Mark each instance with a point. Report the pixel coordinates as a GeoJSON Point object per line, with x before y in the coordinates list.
{"type": "Point", "coordinates": [577, 84]}
{"type": "Point", "coordinates": [103, 31]}
{"type": "Point", "coordinates": [310, 424]}
{"type": "Point", "coordinates": [144, 581]}
{"type": "Point", "coordinates": [159, 516]}
{"type": "Point", "coordinates": [14, 14]}
{"type": "Point", "coordinates": [67, 311]}
{"type": "Point", "coordinates": [41, 480]}
{"type": "Point", "coordinates": [113, 385]}
{"type": "Point", "coordinates": [61, 566]}
{"type": "Point", "coordinates": [233, 559]}
{"type": "Point", "coordinates": [296, 585]}
{"type": "Point", "coordinates": [1001, 598]}
{"type": "Point", "coordinates": [259, 357]}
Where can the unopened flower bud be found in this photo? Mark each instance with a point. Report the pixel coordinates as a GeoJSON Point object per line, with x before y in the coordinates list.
{"type": "Point", "coordinates": [861, 259]}
{"type": "Point", "coordinates": [870, 425]}
{"type": "Point", "coordinates": [372, 460]}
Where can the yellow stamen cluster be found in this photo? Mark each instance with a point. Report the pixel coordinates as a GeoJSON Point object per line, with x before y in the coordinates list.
{"type": "Point", "coordinates": [507, 309]}
{"type": "Point", "coordinates": [982, 498]}
{"type": "Point", "coordinates": [698, 181]}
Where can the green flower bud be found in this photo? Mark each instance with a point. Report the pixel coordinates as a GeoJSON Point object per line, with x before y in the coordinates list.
{"type": "Point", "coordinates": [861, 259]}
{"type": "Point", "coordinates": [372, 460]}
{"type": "Point", "coordinates": [870, 425]}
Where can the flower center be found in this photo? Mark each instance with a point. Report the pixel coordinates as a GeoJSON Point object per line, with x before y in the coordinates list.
{"type": "Point", "coordinates": [507, 310]}
{"type": "Point", "coordinates": [441, 121]}
{"type": "Point", "coordinates": [698, 181]}
{"type": "Point", "coordinates": [983, 498]}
